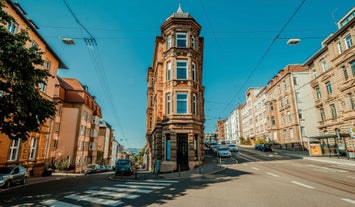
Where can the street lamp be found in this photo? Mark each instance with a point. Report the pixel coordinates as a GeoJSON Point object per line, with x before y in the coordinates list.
{"type": "Point", "coordinates": [68, 41]}
{"type": "Point", "coordinates": [293, 41]}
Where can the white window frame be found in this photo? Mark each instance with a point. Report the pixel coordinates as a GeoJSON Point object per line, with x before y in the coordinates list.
{"type": "Point", "coordinates": [193, 42]}
{"type": "Point", "coordinates": [329, 87]}
{"type": "Point", "coordinates": [169, 42]}
{"type": "Point", "coordinates": [194, 103]}
{"type": "Point", "coordinates": [314, 73]}
{"type": "Point", "coordinates": [12, 27]}
{"type": "Point", "coordinates": [324, 66]}
{"type": "Point", "coordinates": [168, 103]}
{"type": "Point", "coordinates": [181, 100]}
{"type": "Point", "coordinates": [348, 41]}
{"type": "Point", "coordinates": [181, 39]}
{"type": "Point", "coordinates": [14, 149]}
{"type": "Point", "coordinates": [340, 48]}
{"type": "Point", "coordinates": [168, 71]}
{"type": "Point", "coordinates": [181, 68]}
{"type": "Point", "coordinates": [33, 148]}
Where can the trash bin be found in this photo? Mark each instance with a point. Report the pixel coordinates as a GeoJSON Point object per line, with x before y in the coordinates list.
{"type": "Point", "coordinates": [157, 166]}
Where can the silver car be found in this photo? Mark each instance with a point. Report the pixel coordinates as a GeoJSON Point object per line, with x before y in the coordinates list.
{"type": "Point", "coordinates": [223, 152]}
{"type": "Point", "coordinates": [12, 175]}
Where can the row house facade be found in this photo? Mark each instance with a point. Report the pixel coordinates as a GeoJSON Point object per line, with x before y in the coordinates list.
{"type": "Point", "coordinates": [233, 131]}
{"type": "Point", "coordinates": [33, 153]}
{"type": "Point", "coordinates": [104, 146]}
{"type": "Point", "coordinates": [311, 100]}
{"type": "Point", "coordinates": [76, 127]}
{"type": "Point", "coordinates": [332, 71]}
{"type": "Point", "coordinates": [290, 107]}
{"type": "Point", "coordinates": [175, 106]}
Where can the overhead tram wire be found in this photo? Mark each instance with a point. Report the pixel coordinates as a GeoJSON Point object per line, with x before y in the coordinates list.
{"type": "Point", "coordinates": [277, 37]}
{"type": "Point", "coordinates": [98, 64]}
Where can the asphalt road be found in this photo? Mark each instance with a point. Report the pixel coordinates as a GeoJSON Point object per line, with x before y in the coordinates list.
{"type": "Point", "coordinates": [251, 178]}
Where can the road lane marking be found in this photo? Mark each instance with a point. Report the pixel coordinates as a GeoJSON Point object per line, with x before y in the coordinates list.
{"type": "Point", "coordinates": [112, 194]}
{"type": "Point", "coordinates": [352, 177]}
{"type": "Point", "coordinates": [56, 203]}
{"type": "Point", "coordinates": [348, 200]}
{"type": "Point", "coordinates": [127, 190]}
{"type": "Point", "coordinates": [255, 168]}
{"type": "Point", "coordinates": [101, 201]}
{"type": "Point", "coordinates": [303, 185]}
{"type": "Point", "coordinates": [163, 181]}
{"type": "Point", "coordinates": [272, 174]}
{"type": "Point", "coordinates": [149, 183]}
{"type": "Point", "coordinates": [140, 186]}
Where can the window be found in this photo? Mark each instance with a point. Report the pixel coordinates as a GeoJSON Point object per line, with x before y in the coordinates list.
{"type": "Point", "coordinates": [12, 27]}
{"type": "Point", "coordinates": [333, 110]}
{"type": "Point", "coordinates": [168, 147]}
{"type": "Point", "coordinates": [353, 68]}
{"type": "Point", "coordinates": [193, 68]}
{"type": "Point", "coordinates": [322, 114]}
{"type": "Point", "coordinates": [314, 73]}
{"type": "Point", "coordinates": [285, 85]}
{"type": "Point", "coordinates": [287, 101]}
{"type": "Point", "coordinates": [181, 69]}
{"type": "Point", "coordinates": [346, 75]}
{"type": "Point", "coordinates": [271, 106]}
{"type": "Point", "coordinates": [291, 134]}
{"type": "Point", "coordinates": [33, 148]}
{"type": "Point", "coordinates": [181, 39]}
{"type": "Point", "coordinates": [348, 41]}
{"type": "Point", "coordinates": [193, 42]}
{"type": "Point", "coordinates": [282, 119]}
{"type": "Point", "coordinates": [300, 115]}
{"type": "Point", "coordinates": [340, 49]}
{"type": "Point", "coordinates": [352, 101]}
{"type": "Point", "coordinates": [169, 42]}
{"type": "Point", "coordinates": [55, 144]}
{"type": "Point", "coordinates": [319, 94]}
{"type": "Point", "coordinates": [297, 95]}
{"type": "Point", "coordinates": [295, 82]}
{"type": "Point", "coordinates": [168, 103]}
{"type": "Point", "coordinates": [43, 86]}
{"type": "Point", "coordinates": [279, 88]}
{"type": "Point", "coordinates": [47, 64]}
{"type": "Point", "coordinates": [14, 150]}
{"type": "Point", "coordinates": [194, 104]}
{"type": "Point", "coordinates": [83, 117]}
{"type": "Point", "coordinates": [181, 103]}
{"type": "Point", "coordinates": [196, 147]}
{"type": "Point", "coordinates": [82, 130]}
{"type": "Point", "coordinates": [273, 122]}
{"type": "Point", "coordinates": [289, 117]}
{"type": "Point", "coordinates": [168, 71]}
{"type": "Point", "coordinates": [329, 87]}
{"type": "Point", "coordinates": [324, 66]}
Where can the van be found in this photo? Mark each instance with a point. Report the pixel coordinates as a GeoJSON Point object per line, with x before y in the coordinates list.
{"type": "Point", "coordinates": [123, 167]}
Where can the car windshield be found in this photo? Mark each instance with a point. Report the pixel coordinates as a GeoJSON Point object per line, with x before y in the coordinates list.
{"type": "Point", "coordinates": [231, 145]}
{"type": "Point", "coordinates": [222, 148]}
{"type": "Point", "coordinates": [5, 170]}
{"type": "Point", "coordinates": [122, 162]}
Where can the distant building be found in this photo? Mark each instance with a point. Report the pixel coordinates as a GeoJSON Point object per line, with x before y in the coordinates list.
{"type": "Point", "coordinates": [175, 111]}
{"type": "Point", "coordinates": [104, 143]}
{"type": "Point", "coordinates": [35, 152]}
{"type": "Point", "coordinates": [78, 129]}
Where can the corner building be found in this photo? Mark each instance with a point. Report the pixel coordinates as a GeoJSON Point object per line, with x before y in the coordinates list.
{"type": "Point", "coordinates": [175, 106]}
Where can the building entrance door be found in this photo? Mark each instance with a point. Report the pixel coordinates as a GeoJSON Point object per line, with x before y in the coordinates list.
{"type": "Point", "coordinates": [182, 152]}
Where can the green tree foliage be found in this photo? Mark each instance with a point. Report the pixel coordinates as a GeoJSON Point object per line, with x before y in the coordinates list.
{"type": "Point", "coordinates": [22, 108]}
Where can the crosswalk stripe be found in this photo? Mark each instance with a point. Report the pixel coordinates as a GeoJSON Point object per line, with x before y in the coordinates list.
{"type": "Point", "coordinates": [149, 183]}
{"type": "Point", "coordinates": [111, 194]}
{"type": "Point", "coordinates": [56, 203]}
{"type": "Point", "coordinates": [127, 190]}
{"type": "Point", "coordinates": [101, 201]}
{"type": "Point", "coordinates": [162, 181]}
{"type": "Point", "coordinates": [139, 186]}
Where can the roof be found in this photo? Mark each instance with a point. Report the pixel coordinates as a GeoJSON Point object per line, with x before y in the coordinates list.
{"type": "Point", "coordinates": [70, 84]}
{"type": "Point", "coordinates": [180, 13]}
{"type": "Point", "coordinates": [16, 6]}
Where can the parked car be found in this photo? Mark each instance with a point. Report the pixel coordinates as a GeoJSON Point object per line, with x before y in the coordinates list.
{"type": "Point", "coordinates": [258, 146]}
{"type": "Point", "coordinates": [123, 167]}
{"type": "Point", "coordinates": [109, 168]}
{"type": "Point", "coordinates": [12, 175]}
{"type": "Point", "coordinates": [214, 148]}
{"type": "Point", "coordinates": [266, 148]}
{"type": "Point", "coordinates": [223, 152]}
{"type": "Point", "coordinates": [232, 147]}
{"type": "Point", "coordinates": [102, 168]}
{"type": "Point", "coordinates": [92, 169]}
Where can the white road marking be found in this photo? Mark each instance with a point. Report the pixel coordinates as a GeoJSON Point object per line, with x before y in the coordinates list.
{"type": "Point", "coordinates": [303, 185]}
{"type": "Point", "coordinates": [272, 174]}
{"type": "Point", "coordinates": [348, 200]}
{"type": "Point", "coordinates": [255, 168]}
{"type": "Point", "coordinates": [112, 194]}
{"type": "Point", "coordinates": [149, 183]}
{"type": "Point", "coordinates": [127, 190]}
{"type": "Point", "coordinates": [352, 177]}
{"type": "Point", "coordinates": [101, 201]}
{"type": "Point", "coordinates": [139, 186]}
{"type": "Point", "coordinates": [163, 181]}
{"type": "Point", "coordinates": [56, 203]}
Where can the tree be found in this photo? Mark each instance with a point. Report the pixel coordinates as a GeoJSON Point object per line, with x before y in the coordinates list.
{"type": "Point", "coordinates": [22, 108]}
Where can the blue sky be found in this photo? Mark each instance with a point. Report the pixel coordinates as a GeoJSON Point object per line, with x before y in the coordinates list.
{"type": "Point", "coordinates": [236, 56]}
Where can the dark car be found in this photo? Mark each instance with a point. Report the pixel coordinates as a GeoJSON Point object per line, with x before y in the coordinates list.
{"type": "Point", "coordinates": [12, 175]}
{"type": "Point", "coordinates": [266, 148]}
{"type": "Point", "coordinates": [123, 167]}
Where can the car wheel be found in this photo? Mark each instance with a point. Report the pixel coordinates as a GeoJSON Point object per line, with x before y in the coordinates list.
{"type": "Point", "coordinates": [24, 181]}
